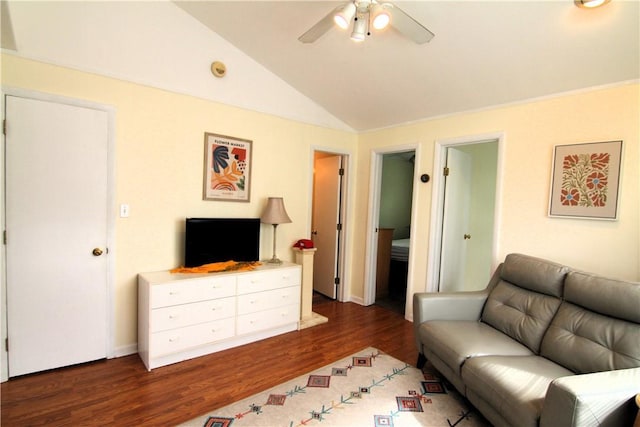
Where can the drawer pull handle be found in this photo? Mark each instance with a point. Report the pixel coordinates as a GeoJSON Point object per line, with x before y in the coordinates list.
{"type": "Point", "coordinates": [173, 316]}
{"type": "Point", "coordinates": [176, 339]}
{"type": "Point", "coordinates": [174, 293]}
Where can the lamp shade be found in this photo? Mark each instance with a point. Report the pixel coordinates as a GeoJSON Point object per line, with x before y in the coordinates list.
{"type": "Point", "coordinates": [379, 16]}
{"type": "Point", "coordinates": [344, 15]}
{"type": "Point", "coordinates": [359, 29]}
{"type": "Point", "coordinates": [274, 212]}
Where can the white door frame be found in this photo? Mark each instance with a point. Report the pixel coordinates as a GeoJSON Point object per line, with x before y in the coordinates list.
{"type": "Point", "coordinates": [437, 201]}
{"type": "Point", "coordinates": [345, 245]}
{"type": "Point", "coordinates": [111, 217]}
{"type": "Point", "coordinates": [375, 184]}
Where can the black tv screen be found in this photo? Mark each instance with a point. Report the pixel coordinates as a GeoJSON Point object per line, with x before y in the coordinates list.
{"type": "Point", "coordinates": [210, 240]}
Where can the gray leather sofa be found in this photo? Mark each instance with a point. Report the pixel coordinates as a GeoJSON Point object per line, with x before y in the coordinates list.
{"type": "Point", "coordinates": [542, 345]}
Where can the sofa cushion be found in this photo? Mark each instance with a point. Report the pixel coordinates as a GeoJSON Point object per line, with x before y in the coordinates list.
{"type": "Point", "coordinates": [521, 314]}
{"type": "Point", "coordinates": [456, 341]}
{"type": "Point", "coordinates": [605, 296]}
{"type": "Point", "coordinates": [525, 299]}
{"type": "Point", "coordinates": [585, 342]}
{"type": "Point", "coordinates": [514, 386]}
{"type": "Point", "coordinates": [535, 274]}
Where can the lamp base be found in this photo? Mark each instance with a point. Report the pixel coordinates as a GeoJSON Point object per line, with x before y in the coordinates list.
{"type": "Point", "coordinates": [274, 260]}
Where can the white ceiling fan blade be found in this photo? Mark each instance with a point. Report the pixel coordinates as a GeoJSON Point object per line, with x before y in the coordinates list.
{"type": "Point", "coordinates": [321, 27]}
{"type": "Point", "coordinates": [409, 26]}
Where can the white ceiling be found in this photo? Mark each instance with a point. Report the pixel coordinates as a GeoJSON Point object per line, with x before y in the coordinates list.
{"type": "Point", "coordinates": [484, 53]}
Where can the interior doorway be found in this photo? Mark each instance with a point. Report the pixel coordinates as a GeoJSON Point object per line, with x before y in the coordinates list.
{"type": "Point", "coordinates": [463, 243]}
{"type": "Point", "coordinates": [327, 222]}
{"type": "Point", "coordinates": [391, 217]}
{"type": "Point", "coordinates": [394, 229]}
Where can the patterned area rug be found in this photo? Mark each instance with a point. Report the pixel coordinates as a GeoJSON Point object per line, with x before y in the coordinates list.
{"type": "Point", "coordinates": [369, 388]}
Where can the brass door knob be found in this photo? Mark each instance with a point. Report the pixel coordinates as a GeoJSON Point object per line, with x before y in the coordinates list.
{"type": "Point", "coordinates": [97, 252]}
{"type": "Point", "coordinates": [467, 236]}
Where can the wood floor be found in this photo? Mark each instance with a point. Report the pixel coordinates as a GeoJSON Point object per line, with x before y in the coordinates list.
{"type": "Point", "coordinates": [121, 392]}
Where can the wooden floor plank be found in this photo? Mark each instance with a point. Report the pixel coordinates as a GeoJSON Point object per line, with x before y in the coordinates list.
{"type": "Point", "coordinates": [121, 391]}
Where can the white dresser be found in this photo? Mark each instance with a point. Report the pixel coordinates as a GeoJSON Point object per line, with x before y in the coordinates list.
{"type": "Point", "coordinates": [182, 316]}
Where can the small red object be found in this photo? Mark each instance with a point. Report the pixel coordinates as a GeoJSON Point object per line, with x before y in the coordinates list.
{"type": "Point", "coordinates": [304, 244]}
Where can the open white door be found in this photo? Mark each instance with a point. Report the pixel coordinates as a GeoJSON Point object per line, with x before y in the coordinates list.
{"type": "Point", "coordinates": [56, 221]}
{"type": "Point", "coordinates": [455, 228]}
{"type": "Point", "coordinates": [324, 223]}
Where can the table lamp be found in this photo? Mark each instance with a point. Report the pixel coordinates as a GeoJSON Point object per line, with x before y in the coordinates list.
{"type": "Point", "coordinates": [275, 214]}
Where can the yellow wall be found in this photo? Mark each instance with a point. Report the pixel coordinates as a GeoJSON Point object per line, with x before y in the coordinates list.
{"type": "Point", "coordinates": [531, 131]}
{"type": "Point", "coordinates": [159, 165]}
{"type": "Point", "coordinates": [159, 149]}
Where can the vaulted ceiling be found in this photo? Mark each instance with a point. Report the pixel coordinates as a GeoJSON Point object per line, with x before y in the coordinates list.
{"type": "Point", "coordinates": [484, 53]}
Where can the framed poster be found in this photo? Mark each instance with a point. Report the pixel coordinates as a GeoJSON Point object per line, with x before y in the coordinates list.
{"type": "Point", "coordinates": [585, 180]}
{"type": "Point", "coordinates": [227, 168]}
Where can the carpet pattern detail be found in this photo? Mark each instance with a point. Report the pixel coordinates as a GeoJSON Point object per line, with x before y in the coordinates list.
{"type": "Point", "coordinates": [367, 389]}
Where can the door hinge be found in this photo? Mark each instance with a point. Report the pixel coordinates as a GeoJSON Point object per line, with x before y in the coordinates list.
{"type": "Point", "coordinates": [4, 237]}
{"type": "Point", "coordinates": [445, 172]}
{"type": "Point", "coordinates": [341, 171]}
{"type": "Point", "coordinates": [6, 344]}
{"type": "Point", "coordinates": [339, 227]}
{"type": "Point", "coordinates": [336, 281]}
{"type": "Point", "coordinates": [4, 126]}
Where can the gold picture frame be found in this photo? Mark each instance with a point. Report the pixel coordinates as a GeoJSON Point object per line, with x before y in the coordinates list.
{"type": "Point", "coordinates": [227, 168]}
{"type": "Point", "coordinates": [585, 180]}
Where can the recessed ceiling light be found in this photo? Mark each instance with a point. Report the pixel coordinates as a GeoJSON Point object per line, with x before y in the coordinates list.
{"type": "Point", "coordinates": [590, 4]}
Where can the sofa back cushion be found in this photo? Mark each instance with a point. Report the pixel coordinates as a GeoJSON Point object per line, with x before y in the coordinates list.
{"type": "Point", "coordinates": [525, 299]}
{"type": "Point", "coordinates": [597, 327]}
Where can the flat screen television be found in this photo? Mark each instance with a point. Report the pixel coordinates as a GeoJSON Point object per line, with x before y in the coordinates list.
{"type": "Point", "coordinates": [210, 240]}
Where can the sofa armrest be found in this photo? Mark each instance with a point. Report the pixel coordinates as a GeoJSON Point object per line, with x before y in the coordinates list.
{"type": "Point", "coordinates": [598, 399]}
{"type": "Point", "coordinates": [446, 306]}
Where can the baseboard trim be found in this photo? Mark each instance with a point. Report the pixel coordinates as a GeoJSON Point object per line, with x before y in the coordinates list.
{"type": "Point", "coordinates": [357, 300]}
{"type": "Point", "coordinates": [125, 350]}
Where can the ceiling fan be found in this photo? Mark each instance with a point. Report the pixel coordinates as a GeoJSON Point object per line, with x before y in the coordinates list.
{"type": "Point", "coordinates": [367, 14]}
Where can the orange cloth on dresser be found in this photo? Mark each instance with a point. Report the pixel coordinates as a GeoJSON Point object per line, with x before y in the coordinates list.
{"type": "Point", "coordinates": [219, 266]}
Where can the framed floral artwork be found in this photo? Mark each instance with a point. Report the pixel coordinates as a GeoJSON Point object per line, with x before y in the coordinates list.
{"type": "Point", "coordinates": [585, 180]}
{"type": "Point", "coordinates": [227, 168]}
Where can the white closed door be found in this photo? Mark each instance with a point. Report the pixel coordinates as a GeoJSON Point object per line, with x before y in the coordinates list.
{"type": "Point", "coordinates": [56, 224]}
{"type": "Point", "coordinates": [325, 219]}
{"type": "Point", "coordinates": [455, 230]}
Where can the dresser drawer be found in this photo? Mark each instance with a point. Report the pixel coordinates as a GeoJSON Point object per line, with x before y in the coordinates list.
{"type": "Point", "coordinates": [192, 290]}
{"type": "Point", "coordinates": [254, 322]}
{"type": "Point", "coordinates": [267, 280]}
{"type": "Point", "coordinates": [260, 301]}
{"type": "Point", "coordinates": [175, 340]}
{"type": "Point", "coordinates": [178, 316]}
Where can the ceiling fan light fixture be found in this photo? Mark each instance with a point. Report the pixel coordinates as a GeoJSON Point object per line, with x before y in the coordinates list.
{"type": "Point", "coordinates": [590, 4]}
{"type": "Point", "coordinates": [344, 15]}
{"type": "Point", "coordinates": [359, 29]}
{"type": "Point", "coordinates": [380, 17]}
